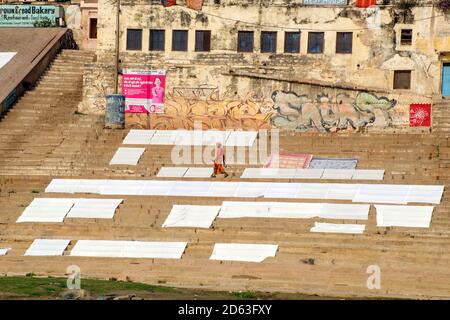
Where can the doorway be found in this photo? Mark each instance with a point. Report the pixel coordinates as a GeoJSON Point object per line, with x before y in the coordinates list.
{"type": "Point", "coordinates": [446, 80]}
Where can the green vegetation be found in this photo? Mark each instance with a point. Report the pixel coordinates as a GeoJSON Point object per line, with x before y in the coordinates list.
{"type": "Point", "coordinates": [32, 287]}
{"type": "Point", "coordinates": [245, 294]}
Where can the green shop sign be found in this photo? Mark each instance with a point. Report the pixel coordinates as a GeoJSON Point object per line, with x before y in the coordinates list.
{"type": "Point", "coordinates": [30, 16]}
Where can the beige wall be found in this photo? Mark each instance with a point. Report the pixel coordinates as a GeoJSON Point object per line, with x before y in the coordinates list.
{"type": "Point", "coordinates": [376, 52]}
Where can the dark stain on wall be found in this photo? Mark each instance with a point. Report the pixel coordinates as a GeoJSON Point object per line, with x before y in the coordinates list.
{"type": "Point", "coordinates": [185, 19]}
{"type": "Point", "coordinates": [202, 18]}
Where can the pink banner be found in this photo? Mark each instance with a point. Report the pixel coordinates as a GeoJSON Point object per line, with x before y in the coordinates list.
{"type": "Point", "coordinates": [144, 91]}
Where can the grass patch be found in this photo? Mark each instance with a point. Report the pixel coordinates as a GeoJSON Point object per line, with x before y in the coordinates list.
{"type": "Point", "coordinates": [102, 287]}
{"type": "Point", "coordinates": [31, 286]}
{"type": "Point", "coordinates": [245, 294]}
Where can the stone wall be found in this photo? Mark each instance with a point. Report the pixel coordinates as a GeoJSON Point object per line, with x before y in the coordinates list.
{"type": "Point", "coordinates": [230, 89]}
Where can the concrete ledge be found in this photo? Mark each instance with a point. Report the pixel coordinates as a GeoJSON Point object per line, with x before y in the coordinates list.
{"type": "Point", "coordinates": [32, 59]}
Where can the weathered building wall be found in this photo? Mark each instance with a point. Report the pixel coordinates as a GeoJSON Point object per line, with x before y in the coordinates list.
{"type": "Point", "coordinates": [72, 17]}
{"type": "Point", "coordinates": [326, 92]}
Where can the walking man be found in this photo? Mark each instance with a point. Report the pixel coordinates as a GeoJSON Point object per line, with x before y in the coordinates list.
{"type": "Point", "coordinates": [219, 161]}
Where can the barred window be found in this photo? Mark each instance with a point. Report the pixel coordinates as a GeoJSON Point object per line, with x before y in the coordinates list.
{"type": "Point", "coordinates": [179, 40]}
{"type": "Point", "coordinates": [245, 41]}
{"type": "Point", "coordinates": [315, 42]}
{"type": "Point", "coordinates": [344, 42]}
{"type": "Point", "coordinates": [134, 39]}
{"type": "Point", "coordinates": [202, 40]}
{"type": "Point", "coordinates": [157, 40]}
{"type": "Point", "coordinates": [268, 41]}
{"type": "Point", "coordinates": [292, 42]}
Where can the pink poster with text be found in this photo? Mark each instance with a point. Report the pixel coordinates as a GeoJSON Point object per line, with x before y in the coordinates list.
{"type": "Point", "coordinates": [144, 91]}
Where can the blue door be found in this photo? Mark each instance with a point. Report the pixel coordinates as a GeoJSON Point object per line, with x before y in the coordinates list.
{"type": "Point", "coordinates": [446, 80]}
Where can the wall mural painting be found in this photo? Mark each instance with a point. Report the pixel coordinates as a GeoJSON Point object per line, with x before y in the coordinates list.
{"type": "Point", "coordinates": [299, 112]}
{"type": "Point", "coordinates": [183, 108]}
{"type": "Point", "coordinates": [284, 110]}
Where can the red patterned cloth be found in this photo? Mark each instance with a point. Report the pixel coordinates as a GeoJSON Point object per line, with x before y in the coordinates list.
{"type": "Point", "coordinates": [420, 115]}
{"type": "Point", "coordinates": [288, 160]}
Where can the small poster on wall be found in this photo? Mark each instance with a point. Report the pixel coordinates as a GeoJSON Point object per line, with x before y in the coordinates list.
{"type": "Point", "coordinates": [420, 115]}
{"type": "Point", "coordinates": [144, 90]}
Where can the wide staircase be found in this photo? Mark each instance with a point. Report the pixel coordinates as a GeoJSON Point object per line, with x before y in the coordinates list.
{"type": "Point", "coordinates": [56, 142]}
{"type": "Point", "coordinates": [34, 133]}
{"type": "Point", "coordinates": [441, 115]}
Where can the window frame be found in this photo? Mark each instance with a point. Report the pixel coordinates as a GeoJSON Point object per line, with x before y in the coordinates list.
{"type": "Point", "coordinates": [180, 31]}
{"type": "Point", "coordinates": [309, 42]}
{"type": "Point", "coordinates": [128, 43]}
{"type": "Point", "coordinates": [402, 39]}
{"type": "Point", "coordinates": [274, 48]}
{"type": "Point", "coordinates": [242, 32]}
{"type": "Point", "coordinates": [297, 49]}
{"type": "Point", "coordinates": [342, 47]}
{"type": "Point", "coordinates": [151, 35]}
{"type": "Point", "coordinates": [396, 80]}
{"type": "Point", "coordinates": [203, 32]}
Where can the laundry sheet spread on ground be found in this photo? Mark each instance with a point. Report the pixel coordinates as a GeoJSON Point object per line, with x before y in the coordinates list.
{"type": "Point", "coordinates": [139, 136]}
{"type": "Point", "coordinates": [237, 209]}
{"type": "Point", "coordinates": [128, 156]}
{"type": "Point", "coordinates": [404, 216]}
{"type": "Point", "coordinates": [172, 172]}
{"type": "Point", "coordinates": [333, 163]}
{"type": "Point", "coordinates": [363, 193]}
{"type": "Point", "coordinates": [199, 172]}
{"type": "Point", "coordinates": [243, 252]}
{"type": "Point", "coordinates": [4, 251]}
{"type": "Point", "coordinates": [288, 160]}
{"type": "Point", "coordinates": [282, 173]}
{"type": "Point", "coordinates": [128, 249]}
{"type": "Point", "coordinates": [192, 137]}
{"type": "Point", "coordinates": [46, 210]}
{"type": "Point", "coordinates": [47, 247]}
{"type": "Point", "coordinates": [94, 208]}
{"type": "Point", "coordinates": [338, 228]}
{"type": "Point", "coordinates": [56, 209]}
{"type": "Point", "coordinates": [191, 216]}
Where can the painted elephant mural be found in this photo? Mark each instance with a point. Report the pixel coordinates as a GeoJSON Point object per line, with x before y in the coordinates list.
{"type": "Point", "coordinates": [293, 111]}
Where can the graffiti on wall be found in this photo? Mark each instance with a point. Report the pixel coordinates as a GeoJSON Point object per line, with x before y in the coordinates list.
{"type": "Point", "coordinates": [284, 110]}
{"type": "Point", "coordinates": [181, 111]}
{"type": "Point", "coordinates": [299, 112]}
{"type": "Point", "coordinates": [198, 93]}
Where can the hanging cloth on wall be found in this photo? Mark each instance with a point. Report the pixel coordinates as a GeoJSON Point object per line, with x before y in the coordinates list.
{"type": "Point", "coordinates": [168, 3]}
{"type": "Point", "coordinates": [194, 4]}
